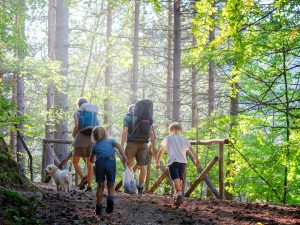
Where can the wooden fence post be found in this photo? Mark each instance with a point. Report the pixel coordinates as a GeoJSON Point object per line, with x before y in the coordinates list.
{"type": "Point", "coordinates": [159, 180]}
{"type": "Point", "coordinates": [206, 178]}
{"type": "Point", "coordinates": [221, 172]}
{"type": "Point", "coordinates": [201, 177]}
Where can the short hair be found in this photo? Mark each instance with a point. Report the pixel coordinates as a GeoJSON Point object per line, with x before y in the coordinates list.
{"type": "Point", "coordinates": [175, 126]}
{"type": "Point", "coordinates": [99, 133]}
{"type": "Point", "coordinates": [131, 109]}
{"type": "Point", "coordinates": [80, 101]}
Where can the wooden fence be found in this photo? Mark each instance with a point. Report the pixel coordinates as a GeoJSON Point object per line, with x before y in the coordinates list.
{"type": "Point", "coordinates": [203, 172]}
{"type": "Point", "coordinates": [165, 172]}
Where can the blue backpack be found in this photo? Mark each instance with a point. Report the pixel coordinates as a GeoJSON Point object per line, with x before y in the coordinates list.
{"type": "Point", "coordinates": [88, 118]}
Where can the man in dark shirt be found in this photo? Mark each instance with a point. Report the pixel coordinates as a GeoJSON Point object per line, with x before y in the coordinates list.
{"type": "Point", "coordinates": [136, 150]}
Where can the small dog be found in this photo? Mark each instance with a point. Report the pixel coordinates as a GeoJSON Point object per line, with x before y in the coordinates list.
{"type": "Point", "coordinates": [62, 178]}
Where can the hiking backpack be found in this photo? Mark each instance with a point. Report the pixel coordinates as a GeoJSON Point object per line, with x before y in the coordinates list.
{"type": "Point", "coordinates": [142, 120]}
{"type": "Point", "coordinates": [88, 118]}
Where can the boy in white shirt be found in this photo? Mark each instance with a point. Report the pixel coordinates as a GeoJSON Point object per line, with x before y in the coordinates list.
{"type": "Point", "coordinates": [177, 146]}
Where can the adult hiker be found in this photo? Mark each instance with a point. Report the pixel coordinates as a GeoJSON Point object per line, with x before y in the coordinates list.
{"type": "Point", "coordinates": [85, 119]}
{"type": "Point", "coordinates": [137, 132]}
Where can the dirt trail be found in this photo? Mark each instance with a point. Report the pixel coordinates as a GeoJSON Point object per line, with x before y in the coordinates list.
{"type": "Point", "coordinates": [77, 207]}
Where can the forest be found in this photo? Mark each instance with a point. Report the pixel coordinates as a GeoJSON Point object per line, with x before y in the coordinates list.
{"type": "Point", "coordinates": [224, 69]}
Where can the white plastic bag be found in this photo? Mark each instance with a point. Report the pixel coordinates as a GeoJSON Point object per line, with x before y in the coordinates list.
{"type": "Point", "coordinates": [129, 181]}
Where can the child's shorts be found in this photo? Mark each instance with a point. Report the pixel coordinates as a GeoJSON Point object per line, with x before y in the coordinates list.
{"type": "Point", "coordinates": [105, 169]}
{"type": "Point", "coordinates": [177, 170]}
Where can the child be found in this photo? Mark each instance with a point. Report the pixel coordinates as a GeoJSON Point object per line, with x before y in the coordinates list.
{"type": "Point", "coordinates": [177, 146]}
{"type": "Point", "coordinates": [105, 166]}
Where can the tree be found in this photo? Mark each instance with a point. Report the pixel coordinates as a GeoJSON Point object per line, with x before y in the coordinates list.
{"type": "Point", "coordinates": [176, 61]}
{"type": "Point", "coordinates": [135, 70]}
{"type": "Point", "coordinates": [61, 54]}
{"type": "Point", "coordinates": [169, 97]}
{"type": "Point", "coordinates": [211, 70]}
{"type": "Point", "coordinates": [107, 107]}
{"type": "Point", "coordinates": [194, 107]}
{"type": "Point", "coordinates": [20, 53]}
{"type": "Point", "coordinates": [47, 157]}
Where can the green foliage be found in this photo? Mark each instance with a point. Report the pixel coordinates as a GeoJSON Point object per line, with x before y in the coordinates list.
{"type": "Point", "coordinates": [256, 46]}
{"type": "Point", "coordinates": [255, 50]}
{"type": "Point", "coordinates": [156, 5]}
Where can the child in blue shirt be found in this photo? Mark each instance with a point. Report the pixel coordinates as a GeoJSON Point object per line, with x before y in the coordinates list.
{"type": "Point", "coordinates": [105, 166]}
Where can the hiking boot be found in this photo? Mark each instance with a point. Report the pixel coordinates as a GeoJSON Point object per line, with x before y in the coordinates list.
{"type": "Point", "coordinates": [179, 199]}
{"type": "Point", "coordinates": [98, 210]}
{"type": "Point", "coordinates": [83, 182]}
{"type": "Point", "coordinates": [88, 189]}
{"type": "Point", "coordinates": [110, 204]}
{"type": "Point", "coordinates": [140, 190]}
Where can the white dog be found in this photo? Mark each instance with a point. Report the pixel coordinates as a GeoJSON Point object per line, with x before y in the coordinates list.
{"type": "Point", "coordinates": [62, 178]}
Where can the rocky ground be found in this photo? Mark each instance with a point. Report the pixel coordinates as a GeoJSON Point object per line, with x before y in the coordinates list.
{"type": "Point", "coordinates": [77, 207]}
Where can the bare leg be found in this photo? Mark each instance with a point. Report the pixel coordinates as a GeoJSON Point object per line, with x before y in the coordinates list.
{"type": "Point", "coordinates": [89, 171]}
{"type": "Point", "coordinates": [111, 189]}
{"type": "Point", "coordinates": [178, 185]}
{"type": "Point", "coordinates": [100, 190]}
{"type": "Point", "coordinates": [77, 168]}
{"type": "Point", "coordinates": [143, 174]}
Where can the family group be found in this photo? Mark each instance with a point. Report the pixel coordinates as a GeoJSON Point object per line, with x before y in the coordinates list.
{"type": "Point", "coordinates": [92, 143]}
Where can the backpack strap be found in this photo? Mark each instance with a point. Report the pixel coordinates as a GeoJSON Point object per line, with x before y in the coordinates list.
{"type": "Point", "coordinates": [133, 125]}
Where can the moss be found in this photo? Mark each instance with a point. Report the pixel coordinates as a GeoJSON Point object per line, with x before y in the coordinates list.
{"type": "Point", "coordinates": [16, 208]}
{"type": "Point", "coordinates": [9, 175]}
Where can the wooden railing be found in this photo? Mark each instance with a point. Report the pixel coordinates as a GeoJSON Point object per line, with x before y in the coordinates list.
{"type": "Point", "coordinates": [203, 172]}
{"type": "Point", "coordinates": [48, 150]}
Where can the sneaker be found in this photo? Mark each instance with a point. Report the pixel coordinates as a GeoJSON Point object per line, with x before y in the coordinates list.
{"type": "Point", "coordinates": [179, 199]}
{"type": "Point", "coordinates": [88, 189]}
{"type": "Point", "coordinates": [140, 190]}
{"type": "Point", "coordinates": [110, 204]}
{"type": "Point", "coordinates": [98, 210]}
{"type": "Point", "coordinates": [83, 182]}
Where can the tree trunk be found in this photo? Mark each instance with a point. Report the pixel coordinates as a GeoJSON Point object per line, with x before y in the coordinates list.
{"type": "Point", "coordinates": [194, 93]}
{"type": "Point", "coordinates": [194, 78]}
{"type": "Point", "coordinates": [170, 64]}
{"type": "Point", "coordinates": [13, 134]}
{"type": "Point", "coordinates": [287, 131]}
{"type": "Point", "coordinates": [194, 97]}
{"type": "Point", "coordinates": [176, 62]}
{"type": "Point", "coordinates": [135, 75]}
{"type": "Point", "coordinates": [234, 102]}
{"type": "Point", "coordinates": [47, 157]}
{"type": "Point", "coordinates": [211, 73]}
{"type": "Point", "coordinates": [107, 107]}
{"type": "Point", "coordinates": [20, 113]}
{"type": "Point", "coordinates": [211, 82]}
{"type": "Point", "coordinates": [20, 24]}
{"type": "Point", "coordinates": [61, 54]}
